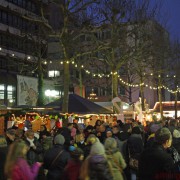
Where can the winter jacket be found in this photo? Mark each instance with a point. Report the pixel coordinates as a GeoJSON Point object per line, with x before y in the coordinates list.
{"type": "Point", "coordinates": [72, 170]}
{"type": "Point", "coordinates": [117, 164]}
{"type": "Point", "coordinates": [153, 162]}
{"type": "Point", "coordinates": [22, 171]}
{"type": "Point", "coordinates": [55, 171]}
{"type": "Point", "coordinates": [99, 168]}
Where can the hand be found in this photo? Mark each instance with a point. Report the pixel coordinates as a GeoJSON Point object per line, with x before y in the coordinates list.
{"type": "Point", "coordinates": [39, 163]}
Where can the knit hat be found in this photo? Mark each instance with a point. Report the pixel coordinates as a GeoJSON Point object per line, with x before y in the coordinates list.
{"type": "Point", "coordinates": [59, 139]}
{"type": "Point", "coordinates": [97, 149]}
{"type": "Point", "coordinates": [154, 128]}
{"type": "Point", "coordinates": [110, 143]}
{"type": "Point", "coordinates": [176, 133]}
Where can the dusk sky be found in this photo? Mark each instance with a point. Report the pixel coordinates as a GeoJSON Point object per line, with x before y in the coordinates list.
{"type": "Point", "coordinates": [172, 8]}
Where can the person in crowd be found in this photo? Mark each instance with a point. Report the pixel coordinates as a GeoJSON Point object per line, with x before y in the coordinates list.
{"type": "Point", "coordinates": [88, 130]}
{"type": "Point", "coordinates": [35, 152]}
{"type": "Point", "coordinates": [155, 160]}
{"type": "Point", "coordinates": [102, 134]}
{"type": "Point", "coordinates": [43, 132]}
{"type": "Point", "coordinates": [19, 134]}
{"type": "Point", "coordinates": [153, 128]}
{"type": "Point", "coordinates": [10, 136]}
{"type": "Point", "coordinates": [72, 169]}
{"type": "Point", "coordinates": [80, 141]}
{"type": "Point", "coordinates": [89, 142]}
{"type": "Point", "coordinates": [97, 123]}
{"type": "Point", "coordinates": [135, 148]}
{"type": "Point", "coordinates": [116, 131]}
{"type": "Point", "coordinates": [16, 166]}
{"type": "Point", "coordinates": [96, 165]}
{"type": "Point", "coordinates": [172, 125]}
{"type": "Point", "coordinates": [3, 154]}
{"type": "Point", "coordinates": [56, 159]}
{"type": "Point", "coordinates": [27, 123]}
{"type": "Point", "coordinates": [66, 132]}
{"type": "Point", "coordinates": [176, 140]}
{"type": "Point", "coordinates": [115, 158]}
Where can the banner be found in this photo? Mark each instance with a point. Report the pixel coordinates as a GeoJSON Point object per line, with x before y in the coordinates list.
{"type": "Point", "coordinates": [27, 90]}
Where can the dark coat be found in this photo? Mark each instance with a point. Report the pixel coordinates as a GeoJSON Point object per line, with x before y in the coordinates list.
{"type": "Point", "coordinates": [154, 162]}
{"type": "Point", "coordinates": [55, 171]}
{"type": "Point", "coordinates": [176, 144]}
{"type": "Point", "coordinates": [135, 145]}
{"type": "Point", "coordinates": [3, 154]}
{"type": "Point", "coordinates": [99, 168]}
{"type": "Point", "coordinates": [35, 155]}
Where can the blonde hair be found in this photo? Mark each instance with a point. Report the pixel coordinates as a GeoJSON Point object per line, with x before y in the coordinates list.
{"type": "Point", "coordinates": [16, 150]}
{"type": "Point", "coordinates": [78, 137]}
{"type": "Point", "coordinates": [3, 142]}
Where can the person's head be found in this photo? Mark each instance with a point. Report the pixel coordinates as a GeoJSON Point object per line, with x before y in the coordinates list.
{"type": "Point", "coordinates": [98, 122]}
{"type": "Point", "coordinates": [19, 133]}
{"type": "Point", "coordinates": [176, 134]}
{"type": "Point", "coordinates": [89, 128]}
{"type": "Point", "coordinates": [173, 123]}
{"type": "Point", "coordinates": [115, 129]}
{"type": "Point", "coordinates": [136, 130]}
{"type": "Point", "coordinates": [17, 149]}
{"type": "Point", "coordinates": [70, 126]}
{"type": "Point", "coordinates": [91, 139]}
{"type": "Point", "coordinates": [97, 149]}
{"type": "Point", "coordinates": [10, 133]}
{"type": "Point", "coordinates": [110, 144]}
{"type": "Point", "coordinates": [29, 134]}
{"type": "Point", "coordinates": [43, 128]}
{"type": "Point", "coordinates": [109, 132]}
{"type": "Point", "coordinates": [102, 128]}
{"type": "Point", "coordinates": [163, 137]}
{"type": "Point", "coordinates": [3, 142]}
{"type": "Point", "coordinates": [79, 137]}
{"type": "Point", "coordinates": [154, 127]}
{"type": "Point", "coordinates": [59, 139]}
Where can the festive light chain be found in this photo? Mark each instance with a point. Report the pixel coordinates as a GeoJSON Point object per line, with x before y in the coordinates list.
{"type": "Point", "coordinates": [115, 73]}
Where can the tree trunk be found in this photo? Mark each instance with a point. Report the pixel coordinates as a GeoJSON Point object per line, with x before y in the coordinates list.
{"type": "Point", "coordinates": [175, 104]}
{"type": "Point", "coordinates": [114, 85]}
{"type": "Point", "coordinates": [142, 94]}
{"type": "Point", "coordinates": [80, 83]}
{"type": "Point", "coordinates": [66, 91]}
{"type": "Point", "coordinates": [40, 100]}
{"type": "Point", "coordinates": [160, 97]}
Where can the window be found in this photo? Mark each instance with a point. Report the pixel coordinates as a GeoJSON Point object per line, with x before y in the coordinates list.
{"type": "Point", "coordinates": [2, 88]}
{"type": "Point", "coordinates": [54, 73]}
{"type": "Point", "coordinates": [10, 95]}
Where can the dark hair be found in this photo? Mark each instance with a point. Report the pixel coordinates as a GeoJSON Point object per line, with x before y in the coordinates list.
{"type": "Point", "coordinates": [136, 130]}
{"type": "Point", "coordinates": [162, 135]}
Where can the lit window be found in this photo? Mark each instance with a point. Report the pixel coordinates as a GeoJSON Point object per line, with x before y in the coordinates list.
{"type": "Point", "coordinates": [54, 73]}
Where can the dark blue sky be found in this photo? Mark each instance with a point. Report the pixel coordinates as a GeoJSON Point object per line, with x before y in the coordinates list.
{"type": "Point", "coordinates": [171, 10]}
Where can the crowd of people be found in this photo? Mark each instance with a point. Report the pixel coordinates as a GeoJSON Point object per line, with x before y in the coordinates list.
{"type": "Point", "coordinates": [122, 151]}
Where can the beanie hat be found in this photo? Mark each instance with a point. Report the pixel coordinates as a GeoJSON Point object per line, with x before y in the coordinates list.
{"type": "Point", "coordinates": [176, 133]}
{"type": "Point", "coordinates": [59, 139]}
{"type": "Point", "coordinates": [154, 128]}
{"type": "Point", "coordinates": [110, 143]}
{"type": "Point", "coordinates": [97, 149]}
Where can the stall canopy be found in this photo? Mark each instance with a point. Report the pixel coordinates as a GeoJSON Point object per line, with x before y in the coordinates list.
{"type": "Point", "coordinates": [78, 104]}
